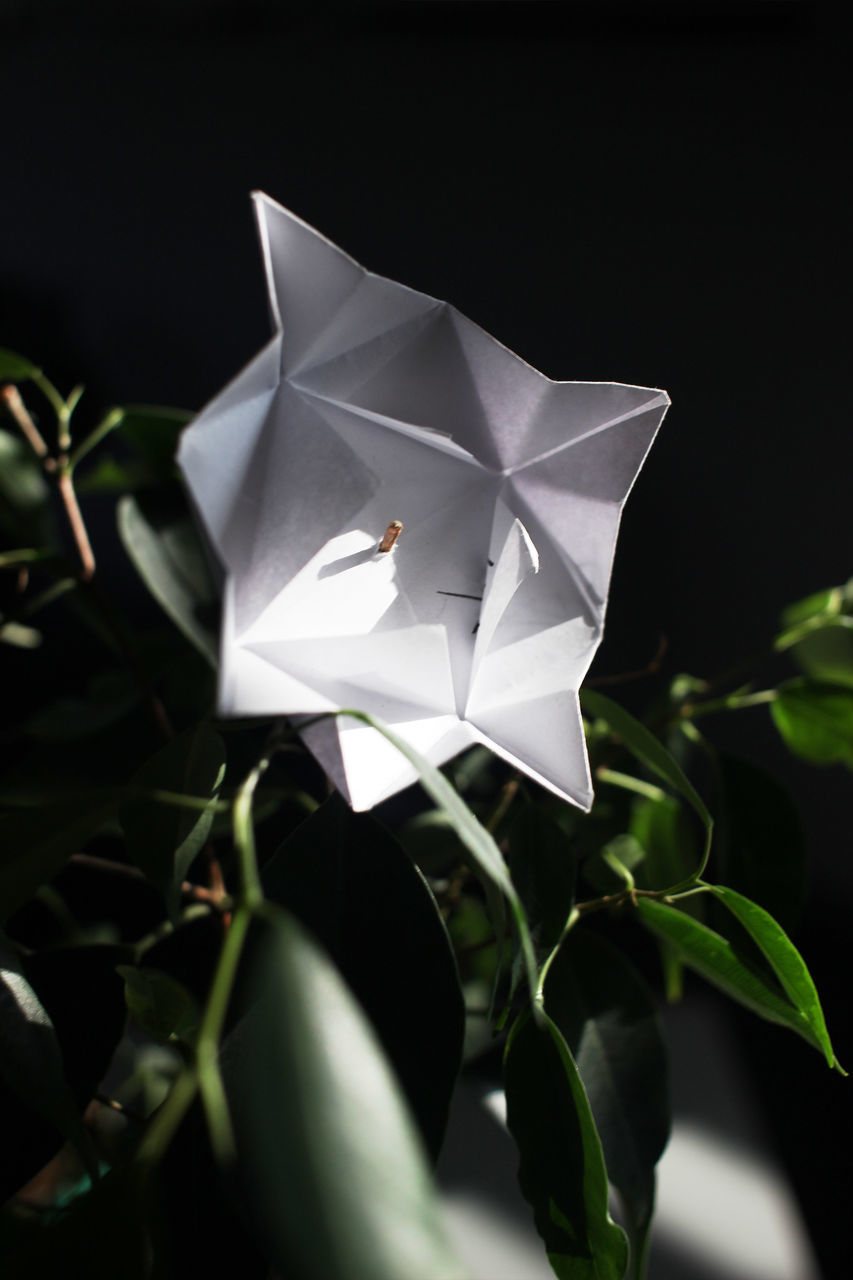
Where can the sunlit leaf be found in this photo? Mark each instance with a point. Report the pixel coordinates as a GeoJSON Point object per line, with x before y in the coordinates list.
{"type": "Point", "coordinates": [816, 721]}
{"type": "Point", "coordinates": [561, 1171]}
{"type": "Point", "coordinates": [713, 956]}
{"type": "Point", "coordinates": [786, 963]}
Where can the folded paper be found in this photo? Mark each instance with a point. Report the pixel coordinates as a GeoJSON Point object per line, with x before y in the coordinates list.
{"type": "Point", "coordinates": [375, 405]}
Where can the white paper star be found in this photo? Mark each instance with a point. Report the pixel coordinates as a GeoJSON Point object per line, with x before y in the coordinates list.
{"type": "Point", "coordinates": [376, 403]}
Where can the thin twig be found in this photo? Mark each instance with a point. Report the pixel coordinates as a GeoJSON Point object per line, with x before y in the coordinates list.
{"type": "Point", "coordinates": [65, 485]}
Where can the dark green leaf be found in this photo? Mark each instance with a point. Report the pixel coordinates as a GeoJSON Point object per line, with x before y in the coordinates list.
{"type": "Point", "coordinates": [346, 877]}
{"type": "Point", "coordinates": [15, 368]}
{"type": "Point", "coordinates": [759, 847]}
{"type": "Point", "coordinates": [561, 1171]}
{"type": "Point", "coordinates": [163, 839]}
{"type": "Point", "coordinates": [816, 721]}
{"type": "Point", "coordinates": [152, 431]}
{"type": "Point", "coordinates": [35, 843]}
{"type": "Point", "coordinates": [168, 557]}
{"type": "Point", "coordinates": [109, 697]}
{"type": "Point", "coordinates": [611, 1025]}
{"type": "Point", "coordinates": [161, 1006]}
{"type": "Point", "coordinates": [336, 1180]}
{"type": "Point", "coordinates": [715, 959]}
{"type": "Point", "coordinates": [485, 854]}
{"type": "Point", "coordinates": [24, 494]}
{"type": "Point", "coordinates": [543, 870]}
{"type": "Point", "coordinates": [31, 1061]}
{"type": "Point", "coordinates": [787, 965]}
{"type": "Point", "coordinates": [646, 747]}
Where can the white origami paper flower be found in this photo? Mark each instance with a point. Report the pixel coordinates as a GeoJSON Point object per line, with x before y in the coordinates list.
{"type": "Point", "coordinates": [375, 403]}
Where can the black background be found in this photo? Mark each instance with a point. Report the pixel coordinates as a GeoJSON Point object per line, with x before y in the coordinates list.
{"type": "Point", "coordinates": [640, 193]}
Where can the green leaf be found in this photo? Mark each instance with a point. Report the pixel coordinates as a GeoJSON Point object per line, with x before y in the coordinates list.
{"type": "Point", "coordinates": [24, 494]}
{"type": "Point", "coordinates": [31, 1062]}
{"type": "Point", "coordinates": [345, 877]}
{"type": "Point", "coordinates": [759, 846]}
{"type": "Point", "coordinates": [646, 747]}
{"type": "Point", "coordinates": [336, 1182]}
{"type": "Point", "coordinates": [164, 839]}
{"type": "Point", "coordinates": [816, 721]}
{"type": "Point", "coordinates": [166, 552]}
{"type": "Point", "coordinates": [485, 854]}
{"type": "Point", "coordinates": [819, 633]}
{"type": "Point", "coordinates": [561, 1171]}
{"type": "Point", "coordinates": [787, 964]}
{"type": "Point", "coordinates": [152, 431]}
{"type": "Point", "coordinates": [543, 870]}
{"type": "Point", "coordinates": [161, 1005]}
{"type": "Point", "coordinates": [109, 697]}
{"type": "Point", "coordinates": [35, 844]}
{"type": "Point", "coordinates": [15, 368]}
{"type": "Point", "coordinates": [713, 957]}
{"type": "Point", "coordinates": [611, 1025]}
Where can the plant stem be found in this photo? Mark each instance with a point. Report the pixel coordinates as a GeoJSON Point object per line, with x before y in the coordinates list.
{"type": "Point", "coordinates": [11, 397]}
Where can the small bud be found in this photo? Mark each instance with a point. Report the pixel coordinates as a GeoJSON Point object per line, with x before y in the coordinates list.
{"type": "Point", "coordinates": [391, 535]}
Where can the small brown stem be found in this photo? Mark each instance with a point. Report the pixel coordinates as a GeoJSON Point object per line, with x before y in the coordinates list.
{"type": "Point", "coordinates": [65, 485]}
{"type": "Point", "coordinates": [11, 397]}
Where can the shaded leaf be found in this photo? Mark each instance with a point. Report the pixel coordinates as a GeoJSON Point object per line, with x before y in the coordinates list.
{"type": "Point", "coordinates": [485, 854]}
{"type": "Point", "coordinates": [24, 494]}
{"type": "Point", "coordinates": [109, 697]}
{"type": "Point", "coordinates": [759, 846]}
{"type": "Point", "coordinates": [543, 868]}
{"type": "Point", "coordinates": [611, 1025]}
{"type": "Point", "coordinates": [646, 747]}
{"type": "Point", "coordinates": [713, 957]}
{"type": "Point", "coordinates": [561, 1172]}
{"type": "Point", "coordinates": [161, 1006]}
{"type": "Point", "coordinates": [163, 839]}
{"type": "Point", "coordinates": [31, 1062]}
{"type": "Point", "coordinates": [816, 721]}
{"type": "Point", "coordinates": [35, 843]}
{"type": "Point", "coordinates": [346, 877]}
{"type": "Point", "coordinates": [336, 1181]}
{"type": "Point", "coordinates": [152, 431]}
{"type": "Point", "coordinates": [168, 557]}
{"type": "Point", "coordinates": [16, 368]}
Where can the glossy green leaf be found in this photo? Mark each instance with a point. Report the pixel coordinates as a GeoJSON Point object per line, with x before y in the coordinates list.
{"type": "Point", "coordinates": [161, 1006]}
{"type": "Point", "coordinates": [15, 368]}
{"type": "Point", "coordinates": [335, 1180]}
{"type": "Point", "coordinates": [816, 721]}
{"type": "Point", "coordinates": [345, 877]}
{"type": "Point", "coordinates": [612, 1027]}
{"type": "Point", "coordinates": [786, 963]}
{"type": "Point", "coordinates": [759, 846]}
{"type": "Point", "coordinates": [486, 855]}
{"type": "Point", "coordinates": [36, 842]}
{"type": "Point", "coordinates": [561, 1170]}
{"type": "Point", "coordinates": [31, 1061]}
{"type": "Point", "coordinates": [166, 552]}
{"type": "Point", "coordinates": [715, 959]}
{"type": "Point", "coordinates": [163, 839]}
{"type": "Point", "coordinates": [818, 632]}
{"type": "Point", "coordinates": [646, 747]}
